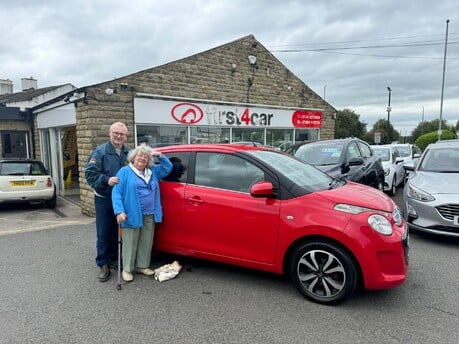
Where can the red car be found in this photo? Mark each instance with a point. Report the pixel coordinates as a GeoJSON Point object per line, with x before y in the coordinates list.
{"type": "Point", "coordinates": [264, 209]}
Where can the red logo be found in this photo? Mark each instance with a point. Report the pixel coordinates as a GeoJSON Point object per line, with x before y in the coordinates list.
{"type": "Point", "coordinates": [187, 113]}
{"type": "Point", "coordinates": [307, 119]}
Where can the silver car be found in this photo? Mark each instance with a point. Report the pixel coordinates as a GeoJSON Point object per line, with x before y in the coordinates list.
{"type": "Point", "coordinates": [431, 194]}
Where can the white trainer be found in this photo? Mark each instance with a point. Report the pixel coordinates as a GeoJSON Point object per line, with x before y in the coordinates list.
{"type": "Point", "coordinates": [146, 271]}
{"type": "Point", "coordinates": [127, 276]}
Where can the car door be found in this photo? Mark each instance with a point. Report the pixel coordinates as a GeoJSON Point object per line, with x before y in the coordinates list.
{"type": "Point", "coordinates": [356, 172]}
{"type": "Point", "coordinates": [369, 166]}
{"type": "Point", "coordinates": [397, 161]}
{"type": "Point", "coordinates": [224, 220]}
{"type": "Point", "coordinates": [170, 234]}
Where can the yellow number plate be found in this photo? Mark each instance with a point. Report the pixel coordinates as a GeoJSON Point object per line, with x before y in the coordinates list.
{"type": "Point", "coordinates": [23, 183]}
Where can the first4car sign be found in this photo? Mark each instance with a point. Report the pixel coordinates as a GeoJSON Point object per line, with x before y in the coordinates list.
{"type": "Point", "coordinates": [192, 113]}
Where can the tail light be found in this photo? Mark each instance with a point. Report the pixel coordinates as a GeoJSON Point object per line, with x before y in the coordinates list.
{"type": "Point", "coordinates": [50, 182]}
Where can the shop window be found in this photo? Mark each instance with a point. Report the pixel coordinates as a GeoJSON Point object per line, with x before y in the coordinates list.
{"type": "Point", "coordinates": [161, 135]}
{"type": "Point", "coordinates": [279, 138]}
{"type": "Point", "coordinates": [306, 135]}
{"type": "Point", "coordinates": [209, 135]}
{"type": "Point", "coordinates": [248, 135]}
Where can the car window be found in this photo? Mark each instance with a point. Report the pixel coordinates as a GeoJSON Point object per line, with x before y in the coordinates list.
{"type": "Point", "coordinates": [353, 151]}
{"type": "Point", "coordinates": [21, 168]}
{"type": "Point", "coordinates": [301, 174]}
{"type": "Point", "coordinates": [320, 154]}
{"type": "Point", "coordinates": [365, 150]}
{"type": "Point", "coordinates": [180, 162]}
{"type": "Point", "coordinates": [226, 171]}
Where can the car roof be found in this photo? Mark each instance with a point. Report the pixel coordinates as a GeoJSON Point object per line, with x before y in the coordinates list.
{"type": "Point", "coordinates": [444, 144]}
{"type": "Point", "coordinates": [221, 147]}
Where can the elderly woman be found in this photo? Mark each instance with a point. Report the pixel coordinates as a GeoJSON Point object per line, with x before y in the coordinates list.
{"type": "Point", "coordinates": [137, 206]}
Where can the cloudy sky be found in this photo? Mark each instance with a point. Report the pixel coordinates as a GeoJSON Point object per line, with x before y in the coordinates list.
{"type": "Point", "coordinates": [348, 51]}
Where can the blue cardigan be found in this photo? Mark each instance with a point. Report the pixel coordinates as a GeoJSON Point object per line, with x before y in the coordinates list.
{"type": "Point", "coordinates": [125, 198]}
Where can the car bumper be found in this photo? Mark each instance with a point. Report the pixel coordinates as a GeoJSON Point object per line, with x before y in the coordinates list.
{"type": "Point", "coordinates": [438, 217]}
{"type": "Point", "coordinates": [384, 259]}
{"type": "Point", "coordinates": [26, 196]}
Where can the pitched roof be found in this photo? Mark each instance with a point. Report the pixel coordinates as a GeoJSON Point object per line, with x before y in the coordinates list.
{"type": "Point", "coordinates": [27, 94]}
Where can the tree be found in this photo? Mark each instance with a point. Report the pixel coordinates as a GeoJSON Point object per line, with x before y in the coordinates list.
{"type": "Point", "coordinates": [386, 130]}
{"type": "Point", "coordinates": [430, 126]}
{"type": "Point", "coordinates": [347, 124]}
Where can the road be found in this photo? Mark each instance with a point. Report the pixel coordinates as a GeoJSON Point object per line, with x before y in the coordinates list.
{"type": "Point", "coordinates": [50, 294]}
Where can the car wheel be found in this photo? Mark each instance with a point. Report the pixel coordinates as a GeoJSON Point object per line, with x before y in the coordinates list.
{"type": "Point", "coordinates": [393, 188]}
{"type": "Point", "coordinates": [51, 203]}
{"type": "Point", "coordinates": [323, 272]}
{"type": "Point", "coordinates": [380, 184]}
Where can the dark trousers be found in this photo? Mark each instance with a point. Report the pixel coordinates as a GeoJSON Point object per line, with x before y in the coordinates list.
{"type": "Point", "coordinates": [106, 231]}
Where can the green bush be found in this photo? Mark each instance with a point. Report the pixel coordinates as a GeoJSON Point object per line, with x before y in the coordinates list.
{"type": "Point", "coordinates": [424, 140]}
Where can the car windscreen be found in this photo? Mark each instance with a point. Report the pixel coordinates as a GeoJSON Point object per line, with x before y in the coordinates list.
{"type": "Point", "coordinates": [21, 169]}
{"type": "Point", "coordinates": [440, 160]}
{"type": "Point", "coordinates": [320, 154]}
{"type": "Point", "coordinates": [300, 173]}
{"type": "Point", "coordinates": [404, 151]}
{"type": "Point", "coordinates": [382, 153]}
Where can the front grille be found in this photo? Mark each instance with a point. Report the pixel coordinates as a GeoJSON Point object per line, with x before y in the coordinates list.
{"type": "Point", "coordinates": [448, 211]}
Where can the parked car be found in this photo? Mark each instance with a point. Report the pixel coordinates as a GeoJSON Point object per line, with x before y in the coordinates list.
{"type": "Point", "coordinates": [26, 181]}
{"type": "Point", "coordinates": [431, 194]}
{"type": "Point", "coordinates": [393, 167]}
{"type": "Point", "coordinates": [350, 159]}
{"type": "Point", "coordinates": [264, 209]}
{"type": "Point", "coordinates": [410, 154]}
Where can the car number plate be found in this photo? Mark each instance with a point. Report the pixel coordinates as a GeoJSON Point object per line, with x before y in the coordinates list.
{"type": "Point", "coordinates": [22, 183]}
{"type": "Point", "coordinates": [456, 220]}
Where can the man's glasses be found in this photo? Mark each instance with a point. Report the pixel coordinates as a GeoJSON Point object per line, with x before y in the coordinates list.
{"type": "Point", "coordinates": [118, 134]}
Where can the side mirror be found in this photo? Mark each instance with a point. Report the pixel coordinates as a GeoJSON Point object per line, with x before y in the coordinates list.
{"type": "Point", "coordinates": [262, 189]}
{"type": "Point", "coordinates": [408, 167]}
{"type": "Point", "coordinates": [356, 161]}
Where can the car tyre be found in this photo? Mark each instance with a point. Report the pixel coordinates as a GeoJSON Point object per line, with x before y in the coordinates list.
{"type": "Point", "coordinates": [323, 272]}
{"type": "Point", "coordinates": [380, 184]}
{"type": "Point", "coordinates": [393, 188]}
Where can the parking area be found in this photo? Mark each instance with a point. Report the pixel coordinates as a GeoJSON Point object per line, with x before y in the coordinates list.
{"type": "Point", "coordinates": [16, 218]}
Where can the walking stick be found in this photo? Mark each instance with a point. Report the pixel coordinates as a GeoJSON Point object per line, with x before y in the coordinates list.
{"type": "Point", "coordinates": [120, 238]}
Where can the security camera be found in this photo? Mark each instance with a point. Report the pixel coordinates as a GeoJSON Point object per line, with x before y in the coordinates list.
{"type": "Point", "coordinates": [109, 91]}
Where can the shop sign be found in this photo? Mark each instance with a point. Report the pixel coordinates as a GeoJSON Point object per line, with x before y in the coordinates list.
{"type": "Point", "coordinates": [307, 119]}
{"type": "Point", "coordinates": [193, 113]}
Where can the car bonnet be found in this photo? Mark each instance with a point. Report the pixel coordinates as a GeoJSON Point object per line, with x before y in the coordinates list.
{"type": "Point", "coordinates": [360, 195]}
{"type": "Point", "coordinates": [436, 183]}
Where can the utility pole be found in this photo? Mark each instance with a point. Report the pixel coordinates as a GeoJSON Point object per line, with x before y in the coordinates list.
{"type": "Point", "coordinates": [388, 114]}
{"type": "Point", "coordinates": [443, 81]}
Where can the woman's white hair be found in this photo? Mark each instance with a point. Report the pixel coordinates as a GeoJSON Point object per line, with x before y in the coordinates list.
{"type": "Point", "coordinates": [144, 150]}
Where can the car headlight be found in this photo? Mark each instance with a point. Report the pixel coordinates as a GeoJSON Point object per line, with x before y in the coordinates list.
{"type": "Point", "coordinates": [377, 222]}
{"type": "Point", "coordinates": [380, 224]}
{"type": "Point", "coordinates": [418, 194]}
{"type": "Point", "coordinates": [386, 171]}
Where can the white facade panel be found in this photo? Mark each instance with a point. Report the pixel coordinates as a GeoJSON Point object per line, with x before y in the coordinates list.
{"type": "Point", "coordinates": [57, 117]}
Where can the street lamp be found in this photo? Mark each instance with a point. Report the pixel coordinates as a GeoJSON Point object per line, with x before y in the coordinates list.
{"type": "Point", "coordinates": [388, 106]}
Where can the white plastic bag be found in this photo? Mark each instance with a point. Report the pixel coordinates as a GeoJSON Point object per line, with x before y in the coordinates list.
{"type": "Point", "coordinates": [167, 272]}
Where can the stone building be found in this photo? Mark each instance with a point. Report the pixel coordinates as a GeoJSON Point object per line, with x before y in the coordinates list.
{"type": "Point", "coordinates": [235, 92]}
{"type": "Point", "coordinates": [16, 124]}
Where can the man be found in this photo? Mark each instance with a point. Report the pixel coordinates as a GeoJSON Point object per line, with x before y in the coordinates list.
{"type": "Point", "coordinates": [103, 164]}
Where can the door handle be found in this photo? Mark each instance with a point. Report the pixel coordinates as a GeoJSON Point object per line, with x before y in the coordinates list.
{"type": "Point", "coordinates": [195, 200]}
